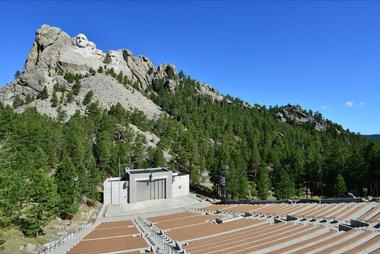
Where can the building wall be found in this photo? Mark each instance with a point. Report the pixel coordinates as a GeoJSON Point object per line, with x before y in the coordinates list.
{"type": "Point", "coordinates": [171, 185]}
{"type": "Point", "coordinates": [180, 185]}
{"type": "Point", "coordinates": [134, 178]}
{"type": "Point", "coordinates": [115, 192]}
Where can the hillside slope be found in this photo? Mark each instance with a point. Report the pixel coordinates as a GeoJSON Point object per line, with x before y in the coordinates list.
{"type": "Point", "coordinates": [375, 137]}
{"type": "Point", "coordinates": [126, 112]}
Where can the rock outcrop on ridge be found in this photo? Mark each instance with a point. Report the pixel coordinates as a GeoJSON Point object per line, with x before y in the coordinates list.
{"type": "Point", "coordinates": [55, 56]}
{"type": "Point", "coordinates": [295, 114]}
{"type": "Point", "coordinates": [55, 53]}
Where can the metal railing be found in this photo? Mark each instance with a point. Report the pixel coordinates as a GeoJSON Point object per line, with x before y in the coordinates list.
{"type": "Point", "coordinates": [49, 247]}
{"type": "Point", "coordinates": [159, 241]}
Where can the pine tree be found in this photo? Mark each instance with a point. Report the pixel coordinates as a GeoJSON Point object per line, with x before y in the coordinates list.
{"type": "Point", "coordinates": [44, 94]}
{"type": "Point", "coordinates": [138, 152]}
{"type": "Point", "coordinates": [54, 100]}
{"type": "Point", "coordinates": [92, 71]}
{"type": "Point", "coordinates": [17, 74]}
{"type": "Point", "coordinates": [17, 101]}
{"type": "Point", "coordinates": [76, 87]}
{"type": "Point", "coordinates": [254, 163]}
{"type": "Point", "coordinates": [104, 149]}
{"type": "Point", "coordinates": [29, 98]}
{"type": "Point", "coordinates": [158, 158]}
{"type": "Point", "coordinates": [70, 96]}
{"type": "Point", "coordinates": [41, 205]}
{"type": "Point", "coordinates": [263, 183]}
{"type": "Point", "coordinates": [340, 186]}
{"type": "Point", "coordinates": [87, 99]}
{"type": "Point", "coordinates": [120, 77]}
{"type": "Point", "coordinates": [67, 188]}
{"type": "Point", "coordinates": [285, 186]}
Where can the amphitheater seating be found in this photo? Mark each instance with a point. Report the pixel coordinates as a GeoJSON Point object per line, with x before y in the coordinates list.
{"type": "Point", "coordinates": [372, 216]}
{"type": "Point", "coordinates": [250, 239]}
{"type": "Point", "coordinates": [186, 222]}
{"type": "Point", "coordinates": [206, 229]}
{"type": "Point", "coordinates": [170, 217]}
{"type": "Point", "coordinates": [198, 232]}
{"type": "Point", "coordinates": [339, 212]}
{"type": "Point", "coordinates": [284, 238]}
{"type": "Point", "coordinates": [251, 236]}
{"type": "Point", "coordinates": [121, 237]}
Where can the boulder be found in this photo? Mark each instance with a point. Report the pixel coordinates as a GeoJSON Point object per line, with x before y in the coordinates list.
{"type": "Point", "coordinates": [30, 248]}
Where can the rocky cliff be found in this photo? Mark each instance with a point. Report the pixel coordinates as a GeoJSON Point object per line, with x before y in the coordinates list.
{"type": "Point", "coordinates": [295, 114]}
{"type": "Point", "coordinates": [64, 69]}
{"type": "Point", "coordinates": [56, 58]}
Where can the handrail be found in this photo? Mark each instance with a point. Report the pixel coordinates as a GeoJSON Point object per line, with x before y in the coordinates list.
{"type": "Point", "coordinates": [160, 242]}
{"type": "Point", "coordinates": [48, 247]}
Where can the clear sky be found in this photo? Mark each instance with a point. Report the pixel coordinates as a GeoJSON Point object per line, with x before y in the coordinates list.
{"type": "Point", "coordinates": [323, 55]}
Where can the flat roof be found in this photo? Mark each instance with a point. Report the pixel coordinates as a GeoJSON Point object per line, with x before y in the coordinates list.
{"type": "Point", "coordinates": [146, 170]}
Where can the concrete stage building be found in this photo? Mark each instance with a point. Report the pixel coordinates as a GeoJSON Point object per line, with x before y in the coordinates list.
{"type": "Point", "coordinates": [145, 184]}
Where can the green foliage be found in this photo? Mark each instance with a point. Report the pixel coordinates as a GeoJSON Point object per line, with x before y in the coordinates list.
{"type": "Point", "coordinates": [73, 156]}
{"type": "Point", "coordinates": [120, 77]}
{"type": "Point", "coordinates": [263, 183]}
{"type": "Point", "coordinates": [104, 149]}
{"type": "Point", "coordinates": [17, 101]}
{"type": "Point", "coordinates": [181, 75]}
{"type": "Point", "coordinates": [285, 186]}
{"type": "Point", "coordinates": [76, 87]}
{"type": "Point", "coordinates": [54, 100]}
{"type": "Point", "coordinates": [28, 195]}
{"type": "Point", "coordinates": [87, 99]}
{"type": "Point", "coordinates": [71, 77]}
{"type": "Point", "coordinates": [68, 188]}
{"type": "Point", "coordinates": [374, 137]}
{"type": "Point", "coordinates": [61, 114]}
{"type": "Point", "coordinates": [17, 74]}
{"type": "Point", "coordinates": [40, 206]}
{"type": "Point", "coordinates": [221, 130]}
{"type": "Point", "coordinates": [340, 186]}
{"type": "Point", "coordinates": [111, 72]}
{"type": "Point", "coordinates": [59, 88]}
{"type": "Point", "coordinates": [137, 159]}
{"type": "Point", "coordinates": [158, 158]}
{"type": "Point", "coordinates": [70, 96]}
{"type": "Point", "coordinates": [44, 94]}
{"type": "Point", "coordinates": [92, 71]}
{"type": "Point", "coordinates": [237, 183]}
{"type": "Point", "coordinates": [171, 74]}
{"type": "Point", "coordinates": [29, 98]}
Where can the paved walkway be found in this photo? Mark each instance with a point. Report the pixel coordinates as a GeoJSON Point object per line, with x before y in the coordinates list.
{"type": "Point", "coordinates": [154, 206]}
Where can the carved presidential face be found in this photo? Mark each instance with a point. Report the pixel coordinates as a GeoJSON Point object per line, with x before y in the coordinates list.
{"type": "Point", "coordinates": [113, 57]}
{"type": "Point", "coordinates": [81, 40]}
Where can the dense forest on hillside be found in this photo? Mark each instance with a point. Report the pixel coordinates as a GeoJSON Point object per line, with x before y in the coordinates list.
{"type": "Point", "coordinates": [49, 166]}
{"type": "Point", "coordinates": [374, 137]}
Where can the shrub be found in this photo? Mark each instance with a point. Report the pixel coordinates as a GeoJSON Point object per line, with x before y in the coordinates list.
{"type": "Point", "coordinates": [17, 101]}
{"type": "Point", "coordinates": [54, 100]}
{"type": "Point", "coordinates": [76, 87]}
{"type": "Point", "coordinates": [43, 94]}
{"type": "Point", "coordinates": [70, 96]}
{"type": "Point", "coordinates": [87, 99]}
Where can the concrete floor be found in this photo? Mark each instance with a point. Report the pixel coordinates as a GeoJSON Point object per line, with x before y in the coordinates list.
{"type": "Point", "coordinates": [153, 206]}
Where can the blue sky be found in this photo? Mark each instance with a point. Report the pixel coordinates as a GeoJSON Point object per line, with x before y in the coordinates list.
{"type": "Point", "coordinates": [324, 55]}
